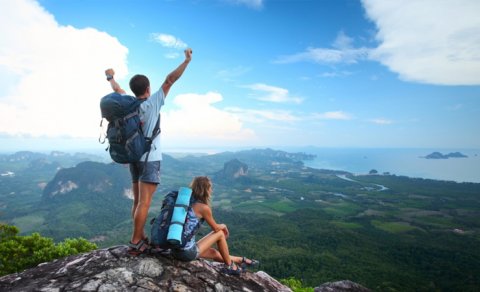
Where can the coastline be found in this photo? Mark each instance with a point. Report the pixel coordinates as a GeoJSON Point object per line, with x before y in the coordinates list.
{"type": "Point", "coordinates": [401, 161]}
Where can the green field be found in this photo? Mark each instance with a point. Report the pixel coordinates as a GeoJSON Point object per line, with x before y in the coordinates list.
{"type": "Point", "coordinates": [393, 227]}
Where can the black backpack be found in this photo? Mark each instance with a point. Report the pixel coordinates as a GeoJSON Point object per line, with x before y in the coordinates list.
{"type": "Point", "coordinates": [160, 225]}
{"type": "Point", "coordinates": [127, 142]}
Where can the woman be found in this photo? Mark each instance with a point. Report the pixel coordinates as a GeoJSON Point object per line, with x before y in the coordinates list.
{"type": "Point", "coordinates": [201, 191]}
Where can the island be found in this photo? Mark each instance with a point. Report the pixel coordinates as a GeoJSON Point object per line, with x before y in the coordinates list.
{"type": "Point", "coordinates": [438, 155]}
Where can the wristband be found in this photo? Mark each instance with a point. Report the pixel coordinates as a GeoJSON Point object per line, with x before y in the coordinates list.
{"type": "Point", "coordinates": [109, 77]}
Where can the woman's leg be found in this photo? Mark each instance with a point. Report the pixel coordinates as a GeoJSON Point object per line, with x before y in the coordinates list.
{"type": "Point", "coordinates": [220, 255]}
{"type": "Point", "coordinates": [212, 254]}
{"type": "Point", "coordinates": [205, 250]}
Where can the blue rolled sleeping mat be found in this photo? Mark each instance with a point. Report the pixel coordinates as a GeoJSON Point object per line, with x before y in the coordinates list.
{"type": "Point", "coordinates": [180, 210]}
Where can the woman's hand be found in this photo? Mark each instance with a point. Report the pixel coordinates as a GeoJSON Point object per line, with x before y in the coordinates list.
{"type": "Point", "coordinates": [224, 228]}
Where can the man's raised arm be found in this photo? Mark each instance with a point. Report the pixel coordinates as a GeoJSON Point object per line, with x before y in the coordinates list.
{"type": "Point", "coordinates": [175, 74]}
{"type": "Point", "coordinates": [115, 86]}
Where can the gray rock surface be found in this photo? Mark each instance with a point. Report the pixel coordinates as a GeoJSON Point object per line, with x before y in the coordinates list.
{"type": "Point", "coordinates": [341, 286]}
{"type": "Point", "coordinates": [113, 269]}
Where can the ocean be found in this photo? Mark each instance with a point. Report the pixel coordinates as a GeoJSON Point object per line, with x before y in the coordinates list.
{"type": "Point", "coordinates": [407, 162]}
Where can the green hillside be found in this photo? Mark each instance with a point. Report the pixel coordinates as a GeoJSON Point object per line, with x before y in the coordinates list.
{"type": "Point", "coordinates": [386, 232]}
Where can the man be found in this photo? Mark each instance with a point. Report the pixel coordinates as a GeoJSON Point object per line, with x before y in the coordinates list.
{"type": "Point", "coordinates": [146, 177]}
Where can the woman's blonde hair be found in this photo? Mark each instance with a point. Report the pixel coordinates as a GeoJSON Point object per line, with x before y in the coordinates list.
{"type": "Point", "coordinates": [201, 189]}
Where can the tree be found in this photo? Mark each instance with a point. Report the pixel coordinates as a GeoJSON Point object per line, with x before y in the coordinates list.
{"type": "Point", "coordinates": [21, 252]}
{"type": "Point", "coordinates": [296, 285]}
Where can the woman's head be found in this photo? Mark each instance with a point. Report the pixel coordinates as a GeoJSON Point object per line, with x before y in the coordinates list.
{"type": "Point", "coordinates": [201, 189]}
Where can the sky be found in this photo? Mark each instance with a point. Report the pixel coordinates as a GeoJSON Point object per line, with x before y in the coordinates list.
{"type": "Point", "coordinates": [264, 73]}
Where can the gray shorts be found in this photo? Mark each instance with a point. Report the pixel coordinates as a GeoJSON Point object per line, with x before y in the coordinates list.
{"type": "Point", "coordinates": [151, 174]}
{"type": "Point", "coordinates": [186, 255]}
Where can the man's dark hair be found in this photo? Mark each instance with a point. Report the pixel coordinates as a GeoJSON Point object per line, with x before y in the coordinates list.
{"type": "Point", "coordinates": [139, 84]}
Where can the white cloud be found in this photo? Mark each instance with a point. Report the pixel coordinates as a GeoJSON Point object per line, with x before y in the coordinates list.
{"type": "Point", "coordinates": [287, 117]}
{"type": "Point", "coordinates": [168, 41]}
{"type": "Point", "coordinates": [333, 115]}
{"type": "Point", "coordinates": [381, 121]}
{"type": "Point", "coordinates": [230, 74]}
{"type": "Point", "coordinates": [198, 119]}
{"type": "Point", "coordinates": [455, 107]}
{"type": "Point", "coordinates": [429, 41]}
{"type": "Point", "coordinates": [342, 52]}
{"type": "Point", "coordinates": [343, 41]}
{"type": "Point", "coordinates": [255, 4]}
{"type": "Point", "coordinates": [261, 116]}
{"type": "Point", "coordinates": [335, 74]}
{"type": "Point", "coordinates": [58, 72]}
{"type": "Point", "coordinates": [172, 55]}
{"type": "Point", "coordinates": [273, 93]}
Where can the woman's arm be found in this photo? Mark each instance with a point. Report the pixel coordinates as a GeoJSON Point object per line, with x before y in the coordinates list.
{"type": "Point", "coordinates": [206, 213]}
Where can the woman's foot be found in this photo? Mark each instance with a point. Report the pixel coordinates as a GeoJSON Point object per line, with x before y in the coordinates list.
{"type": "Point", "coordinates": [249, 263]}
{"type": "Point", "coordinates": [232, 269]}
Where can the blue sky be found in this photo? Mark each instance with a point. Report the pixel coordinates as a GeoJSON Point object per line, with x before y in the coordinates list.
{"type": "Point", "coordinates": [264, 72]}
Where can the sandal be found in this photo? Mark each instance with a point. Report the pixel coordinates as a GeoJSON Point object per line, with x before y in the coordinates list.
{"type": "Point", "coordinates": [232, 269]}
{"type": "Point", "coordinates": [248, 263]}
{"type": "Point", "coordinates": [137, 249]}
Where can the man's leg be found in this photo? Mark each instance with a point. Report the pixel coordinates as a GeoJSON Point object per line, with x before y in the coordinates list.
{"type": "Point", "coordinates": [136, 198]}
{"type": "Point", "coordinates": [136, 194]}
{"type": "Point", "coordinates": [146, 191]}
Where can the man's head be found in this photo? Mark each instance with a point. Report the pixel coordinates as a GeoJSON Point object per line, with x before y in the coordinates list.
{"type": "Point", "coordinates": [140, 86]}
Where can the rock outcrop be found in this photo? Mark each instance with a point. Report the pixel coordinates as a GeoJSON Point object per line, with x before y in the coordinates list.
{"type": "Point", "coordinates": [113, 269]}
{"type": "Point", "coordinates": [341, 286]}
{"type": "Point", "coordinates": [232, 170]}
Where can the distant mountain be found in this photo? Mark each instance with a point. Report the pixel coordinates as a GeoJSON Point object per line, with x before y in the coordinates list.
{"type": "Point", "coordinates": [22, 156]}
{"type": "Point", "coordinates": [88, 178]}
{"type": "Point", "coordinates": [232, 170]}
{"type": "Point", "coordinates": [264, 159]}
{"type": "Point", "coordinates": [87, 199]}
{"type": "Point", "coordinates": [41, 161]}
{"type": "Point", "coordinates": [261, 156]}
{"type": "Point", "coordinates": [438, 155]}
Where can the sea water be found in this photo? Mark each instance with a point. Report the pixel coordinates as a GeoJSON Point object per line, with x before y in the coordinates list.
{"type": "Point", "coordinates": [407, 162]}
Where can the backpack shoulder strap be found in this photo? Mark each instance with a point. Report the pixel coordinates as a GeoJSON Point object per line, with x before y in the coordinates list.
{"type": "Point", "coordinates": [155, 133]}
{"type": "Point", "coordinates": [156, 129]}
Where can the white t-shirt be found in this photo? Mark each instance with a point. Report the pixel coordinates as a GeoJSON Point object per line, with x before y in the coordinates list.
{"type": "Point", "coordinates": [149, 114]}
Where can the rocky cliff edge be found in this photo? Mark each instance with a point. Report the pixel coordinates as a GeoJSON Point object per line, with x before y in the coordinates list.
{"type": "Point", "coordinates": [113, 269]}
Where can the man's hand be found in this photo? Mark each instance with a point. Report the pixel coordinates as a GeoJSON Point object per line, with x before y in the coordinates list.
{"type": "Point", "coordinates": [109, 72]}
{"type": "Point", "coordinates": [188, 54]}
{"type": "Point", "coordinates": [175, 74]}
{"type": "Point", "coordinates": [115, 86]}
